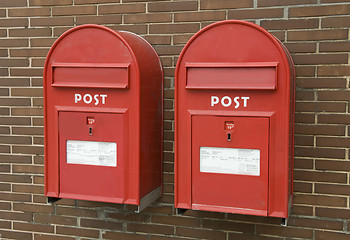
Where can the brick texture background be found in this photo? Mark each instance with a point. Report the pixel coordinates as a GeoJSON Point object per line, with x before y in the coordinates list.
{"type": "Point", "coordinates": [315, 31]}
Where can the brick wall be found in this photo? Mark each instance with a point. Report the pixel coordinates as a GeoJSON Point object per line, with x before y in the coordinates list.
{"type": "Point", "coordinates": [315, 31]}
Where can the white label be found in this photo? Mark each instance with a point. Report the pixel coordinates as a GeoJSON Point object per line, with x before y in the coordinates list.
{"type": "Point", "coordinates": [92, 153]}
{"type": "Point", "coordinates": [230, 161]}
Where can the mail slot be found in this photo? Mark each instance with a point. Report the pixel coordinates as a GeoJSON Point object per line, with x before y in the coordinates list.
{"type": "Point", "coordinates": [103, 117]}
{"type": "Point", "coordinates": [234, 122]}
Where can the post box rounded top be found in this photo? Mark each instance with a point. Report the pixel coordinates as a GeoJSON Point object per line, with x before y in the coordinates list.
{"type": "Point", "coordinates": [234, 41]}
{"type": "Point", "coordinates": [99, 46]}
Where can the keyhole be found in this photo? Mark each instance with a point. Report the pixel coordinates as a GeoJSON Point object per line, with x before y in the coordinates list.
{"type": "Point", "coordinates": [229, 137]}
{"type": "Point", "coordinates": [90, 131]}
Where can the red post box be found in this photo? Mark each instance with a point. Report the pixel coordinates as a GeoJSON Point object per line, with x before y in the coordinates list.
{"type": "Point", "coordinates": [234, 121]}
{"type": "Point", "coordinates": [103, 96]}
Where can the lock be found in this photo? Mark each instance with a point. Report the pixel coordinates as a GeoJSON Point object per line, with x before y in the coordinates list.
{"type": "Point", "coordinates": [90, 131]}
{"type": "Point", "coordinates": [229, 137]}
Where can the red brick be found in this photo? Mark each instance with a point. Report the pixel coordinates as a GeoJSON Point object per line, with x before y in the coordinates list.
{"type": "Point", "coordinates": [326, 235]}
{"type": "Point", "coordinates": [225, 4]}
{"type": "Point", "coordinates": [333, 165]}
{"type": "Point", "coordinates": [336, 189]}
{"type": "Point", "coordinates": [78, 2]}
{"type": "Point", "coordinates": [54, 219]}
{"type": "Point", "coordinates": [334, 70]}
{"type": "Point", "coordinates": [33, 227]}
{"type": "Point", "coordinates": [160, 40]}
{"type": "Point", "coordinates": [134, 217]}
{"type": "Point", "coordinates": [100, 224]}
{"type": "Point", "coordinates": [41, 42]}
{"type": "Point", "coordinates": [124, 236]}
{"type": "Point", "coordinates": [317, 59]}
{"type": "Point", "coordinates": [15, 139]}
{"type": "Point", "coordinates": [13, 3]}
{"type": "Point", "coordinates": [342, 46]}
{"type": "Point", "coordinates": [78, 212]}
{"type": "Point", "coordinates": [321, 83]}
{"type": "Point", "coordinates": [333, 212]}
{"type": "Point", "coordinates": [122, 8]}
{"type": "Point", "coordinates": [310, 129]}
{"type": "Point", "coordinates": [199, 16]}
{"type": "Point", "coordinates": [147, 18]}
{"type": "Point", "coordinates": [28, 169]}
{"type": "Point", "coordinates": [70, 231]}
{"type": "Point", "coordinates": [29, 12]}
{"type": "Point", "coordinates": [12, 82]}
{"type": "Point", "coordinates": [136, 28]}
{"type": "Point", "coordinates": [319, 11]}
{"type": "Point", "coordinates": [319, 200]}
{"type": "Point", "coordinates": [14, 22]}
{"type": "Point", "coordinates": [51, 237]}
{"type": "Point", "coordinates": [5, 205]}
{"type": "Point", "coordinates": [150, 228]}
{"type": "Point", "coordinates": [302, 140]}
{"type": "Point", "coordinates": [334, 95]}
{"type": "Point", "coordinates": [334, 118]}
{"type": "Point", "coordinates": [174, 28]}
{"type": "Point", "coordinates": [334, 1]}
{"type": "Point", "coordinates": [315, 223]}
{"type": "Point", "coordinates": [306, 35]}
{"type": "Point", "coordinates": [15, 178]}
{"type": "Point", "coordinates": [57, 21]}
{"type": "Point", "coordinates": [28, 130]}
{"type": "Point", "coordinates": [285, 231]}
{"type": "Point", "coordinates": [110, 19]}
{"type": "Point", "coordinates": [74, 10]}
{"type": "Point", "coordinates": [200, 233]}
{"type": "Point", "coordinates": [15, 197]}
{"type": "Point", "coordinates": [333, 141]}
{"type": "Point", "coordinates": [272, 3]}
{"type": "Point", "coordinates": [227, 225]}
{"type": "Point", "coordinates": [164, 50]}
{"type": "Point", "coordinates": [290, 24]}
{"type": "Point", "coordinates": [255, 13]}
{"type": "Point", "coordinates": [304, 118]}
{"type": "Point", "coordinates": [14, 43]}
{"type": "Point", "coordinates": [49, 2]}
{"type": "Point", "coordinates": [305, 71]}
{"type": "Point", "coordinates": [33, 208]}
{"type": "Point", "coordinates": [15, 235]}
{"type": "Point", "coordinates": [318, 176]}
{"type": "Point", "coordinates": [301, 47]}
{"type": "Point", "coordinates": [319, 152]}
{"type": "Point", "coordinates": [334, 22]}
{"type": "Point", "coordinates": [239, 236]}
{"type": "Point", "coordinates": [30, 32]}
{"type": "Point", "coordinates": [169, 6]}
{"type": "Point", "coordinates": [302, 210]}
{"type": "Point", "coordinates": [15, 159]}
{"type": "Point", "coordinates": [301, 187]}
{"type": "Point", "coordinates": [33, 189]}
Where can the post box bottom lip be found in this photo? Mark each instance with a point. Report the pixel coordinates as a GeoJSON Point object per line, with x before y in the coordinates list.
{"type": "Point", "coordinates": [91, 198]}
{"type": "Point", "coordinates": [229, 209]}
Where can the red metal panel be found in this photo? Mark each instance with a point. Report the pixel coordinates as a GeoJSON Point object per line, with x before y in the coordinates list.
{"type": "Point", "coordinates": [244, 72]}
{"type": "Point", "coordinates": [241, 188]}
{"type": "Point", "coordinates": [90, 75]}
{"type": "Point", "coordinates": [85, 181]}
{"type": "Point", "coordinates": [117, 77]}
{"type": "Point", "coordinates": [231, 76]}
